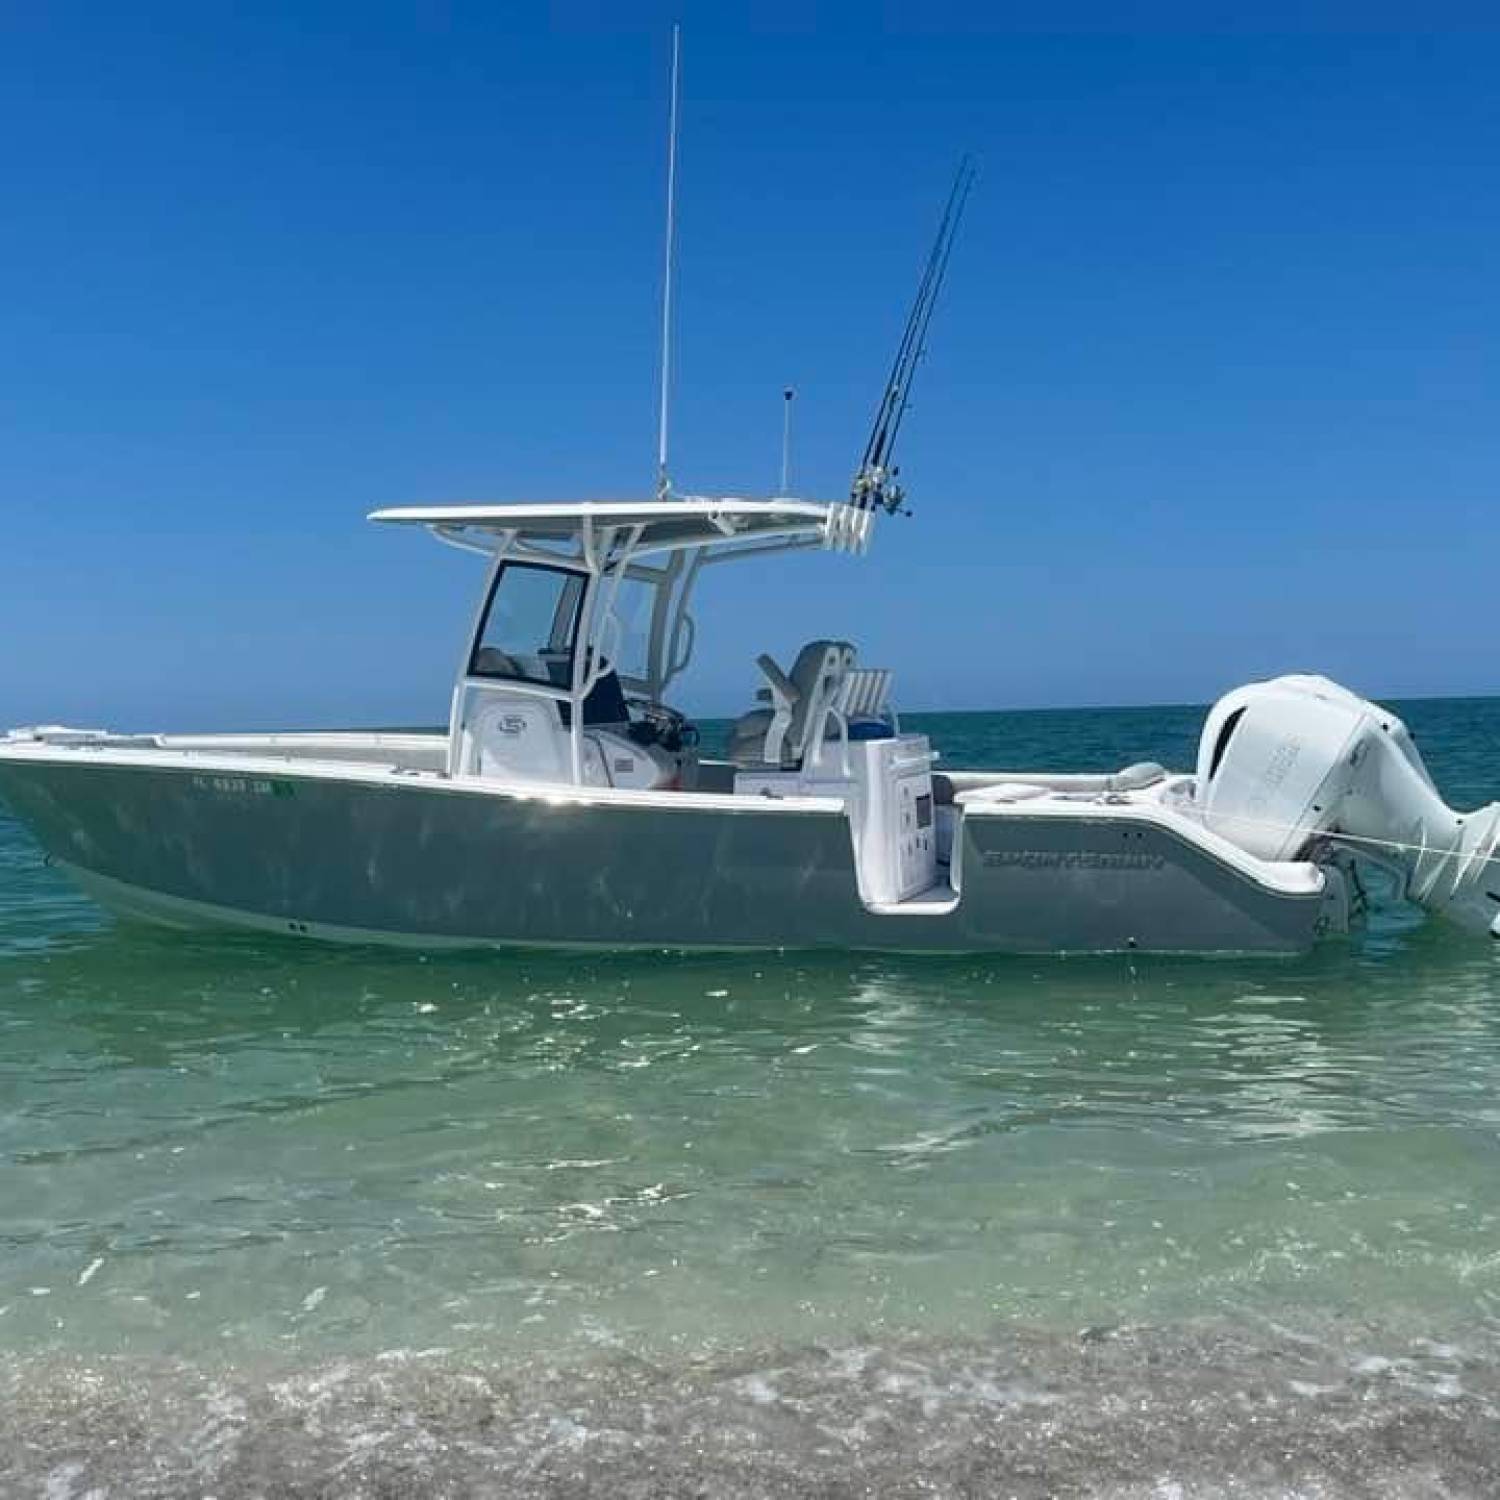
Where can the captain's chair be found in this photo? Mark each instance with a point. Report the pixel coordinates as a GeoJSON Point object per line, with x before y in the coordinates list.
{"type": "Point", "coordinates": [800, 703]}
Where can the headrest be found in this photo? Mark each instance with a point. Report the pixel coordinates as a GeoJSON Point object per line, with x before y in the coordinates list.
{"type": "Point", "coordinates": [818, 657]}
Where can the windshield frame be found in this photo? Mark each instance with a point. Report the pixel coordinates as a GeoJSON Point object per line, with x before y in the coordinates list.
{"type": "Point", "coordinates": [571, 597]}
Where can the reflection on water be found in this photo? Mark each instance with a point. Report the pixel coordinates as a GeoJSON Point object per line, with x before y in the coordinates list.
{"type": "Point", "coordinates": [301, 1149]}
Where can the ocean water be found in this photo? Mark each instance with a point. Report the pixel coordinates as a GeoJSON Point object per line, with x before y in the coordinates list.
{"type": "Point", "coordinates": [279, 1219]}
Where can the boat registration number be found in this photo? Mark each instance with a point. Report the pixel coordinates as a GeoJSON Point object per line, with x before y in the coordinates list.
{"type": "Point", "coordinates": [244, 786]}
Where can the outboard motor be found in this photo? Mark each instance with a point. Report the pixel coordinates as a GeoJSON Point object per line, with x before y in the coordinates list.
{"type": "Point", "coordinates": [1298, 762]}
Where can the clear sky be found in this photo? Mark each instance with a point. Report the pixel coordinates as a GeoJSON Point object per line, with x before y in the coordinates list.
{"type": "Point", "coordinates": [1212, 393]}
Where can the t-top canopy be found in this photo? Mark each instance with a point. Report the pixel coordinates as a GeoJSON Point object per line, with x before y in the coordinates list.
{"type": "Point", "coordinates": [663, 525]}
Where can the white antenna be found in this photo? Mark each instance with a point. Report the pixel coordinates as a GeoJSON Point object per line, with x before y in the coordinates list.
{"type": "Point", "coordinates": [786, 440]}
{"type": "Point", "coordinates": [663, 481]}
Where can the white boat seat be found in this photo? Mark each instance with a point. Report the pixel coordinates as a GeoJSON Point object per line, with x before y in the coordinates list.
{"type": "Point", "coordinates": [801, 703]}
{"type": "Point", "coordinates": [1137, 777]}
{"type": "Point", "coordinates": [1075, 788]}
{"type": "Point", "coordinates": [513, 737]}
{"type": "Point", "coordinates": [1003, 791]}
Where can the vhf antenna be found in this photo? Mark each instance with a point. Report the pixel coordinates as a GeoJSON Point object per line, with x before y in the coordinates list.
{"type": "Point", "coordinates": [786, 440]}
{"type": "Point", "coordinates": [663, 479]}
{"type": "Point", "coordinates": [874, 483]}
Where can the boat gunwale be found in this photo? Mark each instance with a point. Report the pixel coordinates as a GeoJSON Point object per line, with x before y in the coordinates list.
{"type": "Point", "coordinates": [1271, 876]}
{"type": "Point", "coordinates": [380, 774]}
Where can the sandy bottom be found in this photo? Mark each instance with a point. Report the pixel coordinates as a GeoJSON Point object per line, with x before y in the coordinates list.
{"type": "Point", "coordinates": [1169, 1414]}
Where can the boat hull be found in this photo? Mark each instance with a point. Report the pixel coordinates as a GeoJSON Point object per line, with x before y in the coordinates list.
{"type": "Point", "coordinates": [368, 855]}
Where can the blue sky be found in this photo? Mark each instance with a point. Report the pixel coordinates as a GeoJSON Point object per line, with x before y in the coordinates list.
{"type": "Point", "coordinates": [1212, 391]}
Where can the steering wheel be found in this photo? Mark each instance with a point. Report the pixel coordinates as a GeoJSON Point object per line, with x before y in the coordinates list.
{"type": "Point", "coordinates": [669, 728]}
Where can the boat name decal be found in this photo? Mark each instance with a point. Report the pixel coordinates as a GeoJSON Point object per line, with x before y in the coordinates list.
{"type": "Point", "coordinates": [1069, 859]}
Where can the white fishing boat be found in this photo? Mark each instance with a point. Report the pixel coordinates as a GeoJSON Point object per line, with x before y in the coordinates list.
{"type": "Point", "coordinates": [567, 804]}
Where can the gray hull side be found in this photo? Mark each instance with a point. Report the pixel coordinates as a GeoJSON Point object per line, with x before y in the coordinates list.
{"type": "Point", "coordinates": [411, 862]}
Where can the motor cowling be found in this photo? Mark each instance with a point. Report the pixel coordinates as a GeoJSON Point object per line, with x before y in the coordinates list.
{"type": "Point", "coordinates": [1298, 763]}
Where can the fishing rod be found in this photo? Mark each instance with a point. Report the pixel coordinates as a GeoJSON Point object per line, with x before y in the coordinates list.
{"type": "Point", "coordinates": [874, 482]}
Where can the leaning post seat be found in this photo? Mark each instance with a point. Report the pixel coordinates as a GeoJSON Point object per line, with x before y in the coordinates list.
{"type": "Point", "coordinates": [801, 704]}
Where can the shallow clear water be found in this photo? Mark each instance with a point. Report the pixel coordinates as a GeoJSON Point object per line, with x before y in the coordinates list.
{"type": "Point", "coordinates": [273, 1212]}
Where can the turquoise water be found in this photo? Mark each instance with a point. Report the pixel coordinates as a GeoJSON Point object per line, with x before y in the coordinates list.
{"type": "Point", "coordinates": [286, 1219]}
